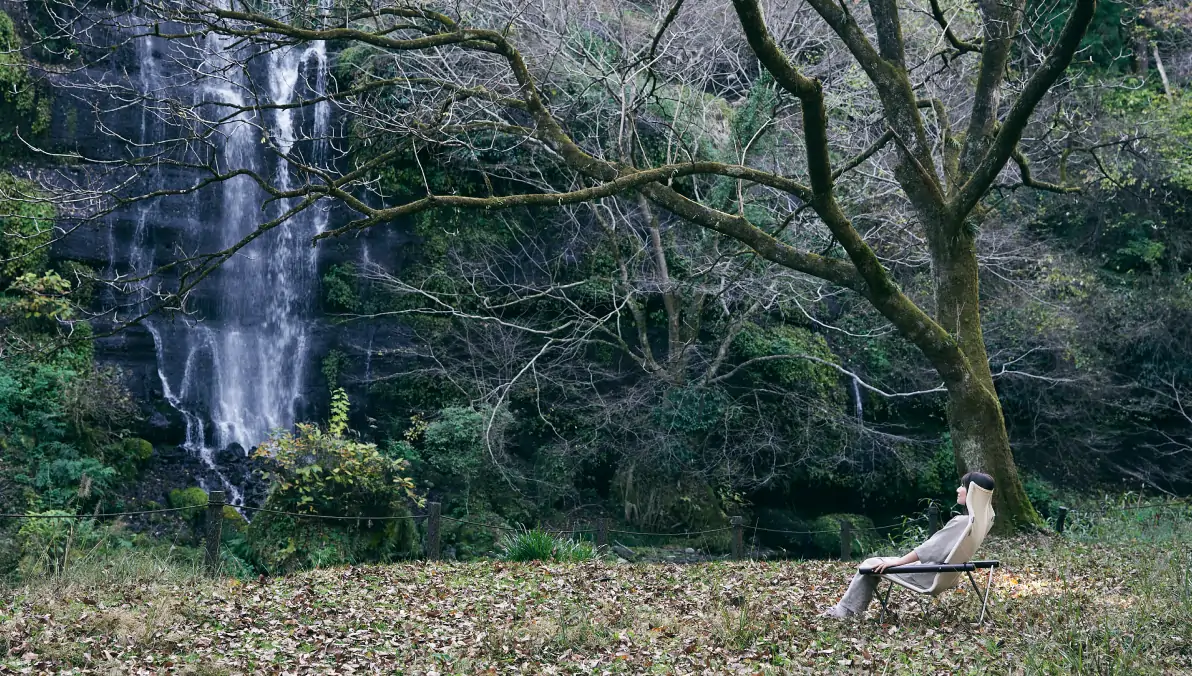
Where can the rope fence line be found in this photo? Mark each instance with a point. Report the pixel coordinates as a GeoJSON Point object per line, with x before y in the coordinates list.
{"type": "Point", "coordinates": [99, 515]}
{"type": "Point", "coordinates": [1127, 508]}
{"type": "Point", "coordinates": [514, 529]}
{"type": "Point", "coordinates": [494, 526]}
{"type": "Point", "coordinates": [799, 532]}
{"type": "Point", "coordinates": [434, 516]}
{"type": "Point", "coordinates": [308, 515]}
{"type": "Point", "coordinates": [690, 533]}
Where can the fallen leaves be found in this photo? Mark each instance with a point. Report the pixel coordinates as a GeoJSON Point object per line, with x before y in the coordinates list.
{"type": "Point", "coordinates": [747, 617]}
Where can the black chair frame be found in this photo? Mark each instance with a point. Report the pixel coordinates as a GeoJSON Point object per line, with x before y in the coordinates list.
{"type": "Point", "coordinates": [966, 568]}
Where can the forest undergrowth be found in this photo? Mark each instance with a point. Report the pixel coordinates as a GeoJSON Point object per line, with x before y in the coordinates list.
{"type": "Point", "coordinates": [1111, 596]}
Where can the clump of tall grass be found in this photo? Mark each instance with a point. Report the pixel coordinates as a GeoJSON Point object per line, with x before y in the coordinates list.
{"type": "Point", "coordinates": [1132, 608]}
{"type": "Point", "coordinates": [539, 545]}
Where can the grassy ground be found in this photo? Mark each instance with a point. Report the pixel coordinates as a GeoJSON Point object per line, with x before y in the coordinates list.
{"type": "Point", "coordinates": [1112, 597]}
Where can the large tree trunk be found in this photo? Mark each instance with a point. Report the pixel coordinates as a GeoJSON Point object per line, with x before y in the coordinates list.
{"type": "Point", "coordinates": [979, 438]}
{"type": "Point", "coordinates": [980, 443]}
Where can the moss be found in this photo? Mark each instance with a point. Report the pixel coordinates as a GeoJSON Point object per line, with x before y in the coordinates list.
{"type": "Point", "coordinates": [138, 450]}
{"type": "Point", "coordinates": [188, 497]}
{"type": "Point", "coordinates": [233, 519]}
{"type": "Point", "coordinates": [24, 103]}
{"type": "Point", "coordinates": [755, 341]}
{"type": "Point", "coordinates": [357, 60]}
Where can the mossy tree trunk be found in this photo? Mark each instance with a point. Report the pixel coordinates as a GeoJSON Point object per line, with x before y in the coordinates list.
{"type": "Point", "coordinates": [975, 419]}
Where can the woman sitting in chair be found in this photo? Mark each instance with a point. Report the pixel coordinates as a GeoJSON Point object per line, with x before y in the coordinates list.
{"type": "Point", "coordinates": [938, 548]}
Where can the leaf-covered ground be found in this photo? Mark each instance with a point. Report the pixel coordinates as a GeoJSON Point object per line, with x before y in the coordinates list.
{"type": "Point", "coordinates": [1059, 607]}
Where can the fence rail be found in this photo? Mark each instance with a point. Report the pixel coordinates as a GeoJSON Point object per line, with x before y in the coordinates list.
{"type": "Point", "coordinates": [434, 519]}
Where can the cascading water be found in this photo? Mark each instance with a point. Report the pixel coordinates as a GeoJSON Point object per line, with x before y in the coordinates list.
{"type": "Point", "coordinates": [860, 410]}
{"type": "Point", "coordinates": [235, 369]}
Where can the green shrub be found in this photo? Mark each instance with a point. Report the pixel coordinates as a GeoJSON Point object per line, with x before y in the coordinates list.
{"type": "Point", "coordinates": [825, 542]}
{"type": "Point", "coordinates": [477, 537]}
{"type": "Point", "coordinates": [1041, 495]}
{"type": "Point", "coordinates": [76, 483]}
{"type": "Point", "coordinates": [48, 544]}
{"type": "Point", "coordinates": [10, 555]}
{"type": "Point", "coordinates": [538, 545]}
{"type": "Point", "coordinates": [60, 421]}
{"type": "Point", "coordinates": [653, 498]}
{"type": "Point", "coordinates": [454, 444]}
{"type": "Point", "coordinates": [324, 472]}
{"type": "Point", "coordinates": [127, 456]}
{"type": "Point", "coordinates": [23, 213]}
{"type": "Point", "coordinates": [279, 544]}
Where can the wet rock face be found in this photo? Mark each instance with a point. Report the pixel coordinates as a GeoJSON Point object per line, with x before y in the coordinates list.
{"type": "Point", "coordinates": [169, 467]}
{"type": "Point", "coordinates": [163, 425]}
{"type": "Point", "coordinates": [242, 469]}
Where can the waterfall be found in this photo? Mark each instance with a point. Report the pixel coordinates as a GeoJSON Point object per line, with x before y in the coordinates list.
{"type": "Point", "coordinates": [260, 353]}
{"type": "Point", "coordinates": [236, 367]}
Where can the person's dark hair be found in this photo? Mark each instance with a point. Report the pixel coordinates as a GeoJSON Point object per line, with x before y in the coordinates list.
{"type": "Point", "coordinates": [980, 478]}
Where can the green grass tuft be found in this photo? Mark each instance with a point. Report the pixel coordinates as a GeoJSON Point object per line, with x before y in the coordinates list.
{"type": "Point", "coordinates": [538, 545]}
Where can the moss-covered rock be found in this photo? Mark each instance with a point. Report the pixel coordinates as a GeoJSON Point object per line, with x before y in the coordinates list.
{"type": "Point", "coordinates": [189, 497]}
{"type": "Point", "coordinates": [138, 450]}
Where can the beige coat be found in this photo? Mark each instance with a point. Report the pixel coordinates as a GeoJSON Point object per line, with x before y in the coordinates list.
{"type": "Point", "coordinates": [936, 550]}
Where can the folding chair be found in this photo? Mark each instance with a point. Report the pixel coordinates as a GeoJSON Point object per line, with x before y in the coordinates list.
{"type": "Point", "coordinates": [953, 569]}
{"type": "Point", "coordinates": [947, 574]}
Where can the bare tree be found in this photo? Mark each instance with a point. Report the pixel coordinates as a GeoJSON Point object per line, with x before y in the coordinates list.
{"type": "Point", "coordinates": [651, 368]}
{"type": "Point", "coordinates": [915, 102]}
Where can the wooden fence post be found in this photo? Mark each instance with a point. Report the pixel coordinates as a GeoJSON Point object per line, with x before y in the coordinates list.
{"type": "Point", "coordinates": [846, 540]}
{"type": "Point", "coordinates": [738, 524]}
{"type": "Point", "coordinates": [215, 505]}
{"type": "Point", "coordinates": [601, 533]}
{"type": "Point", "coordinates": [1059, 520]}
{"type": "Point", "coordinates": [433, 528]}
{"type": "Point", "coordinates": [933, 519]}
